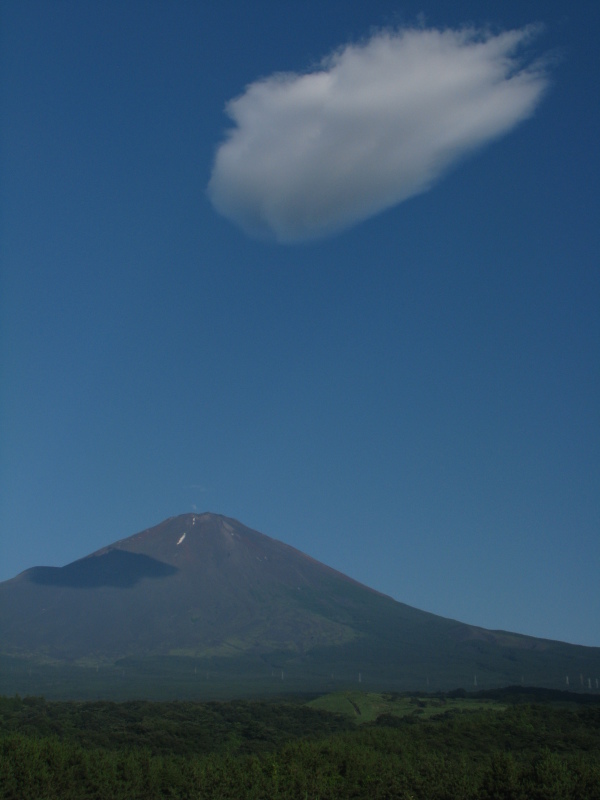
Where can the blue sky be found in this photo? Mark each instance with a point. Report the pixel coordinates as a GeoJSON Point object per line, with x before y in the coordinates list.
{"type": "Point", "coordinates": [410, 395]}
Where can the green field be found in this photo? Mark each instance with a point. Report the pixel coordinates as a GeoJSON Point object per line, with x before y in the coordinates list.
{"type": "Point", "coordinates": [369, 706]}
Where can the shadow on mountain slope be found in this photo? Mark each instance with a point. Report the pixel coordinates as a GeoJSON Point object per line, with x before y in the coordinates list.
{"type": "Point", "coordinates": [117, 568]}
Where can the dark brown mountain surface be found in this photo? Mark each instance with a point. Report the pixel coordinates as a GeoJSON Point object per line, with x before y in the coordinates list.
{"type": "Point", "coordinates": [202, 606]}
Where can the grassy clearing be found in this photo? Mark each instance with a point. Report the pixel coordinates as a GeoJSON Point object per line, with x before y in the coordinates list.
{"type": "Point", "coordinates": [368, 706]}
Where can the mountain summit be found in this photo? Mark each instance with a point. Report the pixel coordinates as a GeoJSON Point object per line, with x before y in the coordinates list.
{"type": "Point", "coordinates": [201, 594]}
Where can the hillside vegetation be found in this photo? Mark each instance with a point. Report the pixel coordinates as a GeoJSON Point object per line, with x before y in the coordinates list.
{"type": "Point", "coordinates": [457, 747]}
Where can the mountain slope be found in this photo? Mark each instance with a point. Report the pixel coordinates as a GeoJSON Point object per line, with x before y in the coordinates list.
{"type": "Point", "coordinates": [203, 593]}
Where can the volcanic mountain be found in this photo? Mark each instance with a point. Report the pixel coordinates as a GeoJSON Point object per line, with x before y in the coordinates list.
{"type": "Point", "coordinates": [202, 606]}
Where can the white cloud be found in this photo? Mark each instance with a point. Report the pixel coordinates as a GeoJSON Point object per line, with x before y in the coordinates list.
{"type": "Point", "coordinates": [312, 154]}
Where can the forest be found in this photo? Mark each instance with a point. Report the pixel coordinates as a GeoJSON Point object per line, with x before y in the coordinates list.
{"type": "Point", "coordinates": [510, 744]}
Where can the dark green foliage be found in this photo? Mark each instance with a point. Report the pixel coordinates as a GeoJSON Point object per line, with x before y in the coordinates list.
{"type": "Point", "coordinates": [93, 751]}
{"type": "Point", "coordinates": [177, 728]}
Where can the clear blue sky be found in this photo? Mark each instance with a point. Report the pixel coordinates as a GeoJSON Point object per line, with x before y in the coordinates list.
{"type": "Point", "coordinates": [412, 397]}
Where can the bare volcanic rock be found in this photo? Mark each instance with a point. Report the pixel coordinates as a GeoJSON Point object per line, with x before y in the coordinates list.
{"type": "Point", "coordinates": [196, 584]}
